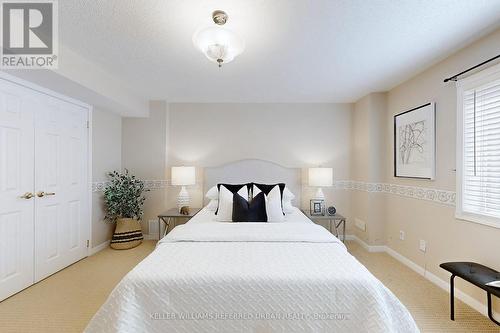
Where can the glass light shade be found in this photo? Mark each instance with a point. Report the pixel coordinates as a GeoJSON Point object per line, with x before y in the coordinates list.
{"type": "Point", "coordinates": [183, 176]}
{"type": "Point", "coordinates": [320, 177]}
{"type": "Point", "coordinates": [218, 43]}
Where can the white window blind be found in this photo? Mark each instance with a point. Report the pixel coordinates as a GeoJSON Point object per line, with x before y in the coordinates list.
{"type": "Point", "coordinates": [480, 169]}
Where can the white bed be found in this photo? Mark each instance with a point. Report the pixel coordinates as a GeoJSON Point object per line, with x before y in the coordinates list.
{"type": "Point", "coordinates": [293, 276]}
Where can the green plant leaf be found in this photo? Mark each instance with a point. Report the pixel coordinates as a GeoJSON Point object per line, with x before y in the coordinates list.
{"type": "Point", "coordinates": [123, 197]}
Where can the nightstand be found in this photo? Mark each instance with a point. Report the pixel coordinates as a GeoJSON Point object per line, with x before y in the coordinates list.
{"type": "Point", "coordinates": [336, 220]}
{"type": "Point", "coordinates": [173, 214]}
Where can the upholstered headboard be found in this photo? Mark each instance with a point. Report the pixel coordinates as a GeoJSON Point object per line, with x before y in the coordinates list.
{"type": "Point", "coordinates": [258, 171]}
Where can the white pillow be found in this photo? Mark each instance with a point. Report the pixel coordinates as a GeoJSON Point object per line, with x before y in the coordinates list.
{"type": "Point", "coordinates": [212, 194]}
{"type": "Point", "coordinates": [212, 205]}
{"type": "Point", "coordinates": [288, 195]}
{"type": "Point", "coordinates": [225, 212]}
{"type": "Point", "coordinates": [273, 204]}
{"type": "Point", "coordinates": [288, 207]}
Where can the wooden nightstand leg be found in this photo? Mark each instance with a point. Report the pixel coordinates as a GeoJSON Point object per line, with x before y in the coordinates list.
{"type": "Point", "coordinates": [336, 228]}
{"type": "Point", "coordinates": [343, 231]}
{"type": "Point", "coordinates": [159, 228]}
{"type": "Point", "coordinates": [167, 226]}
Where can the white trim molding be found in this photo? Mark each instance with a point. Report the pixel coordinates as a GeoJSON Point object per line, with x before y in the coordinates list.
{"type": "Point", "coordinates": [99, 248]}
{"type": "Point", "coordinates": [369, 248]}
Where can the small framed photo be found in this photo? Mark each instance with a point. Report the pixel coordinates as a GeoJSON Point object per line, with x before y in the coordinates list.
{"type": "Point", "coordinates": [317, 207]}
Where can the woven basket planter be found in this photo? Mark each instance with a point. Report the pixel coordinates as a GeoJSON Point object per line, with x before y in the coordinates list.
{"type": "Point", "coordinates": [128, 234]}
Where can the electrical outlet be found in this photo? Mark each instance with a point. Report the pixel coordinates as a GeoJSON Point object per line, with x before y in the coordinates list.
{"type": "Point", "coordinates": [401, 235]}
{"type": "Point", "coordinates": [153, 227]}
{"type": "Point", "coordinates": [422, 245]}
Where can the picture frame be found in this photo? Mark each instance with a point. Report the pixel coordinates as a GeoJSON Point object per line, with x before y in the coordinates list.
{"type": "Point", "coordinates": [415, 143]}
{"type": "Point", "coordinates": [317, 207]}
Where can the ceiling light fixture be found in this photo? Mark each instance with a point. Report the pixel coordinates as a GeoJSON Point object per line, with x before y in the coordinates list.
{"type": "Point", "coordinates": [217, 43]}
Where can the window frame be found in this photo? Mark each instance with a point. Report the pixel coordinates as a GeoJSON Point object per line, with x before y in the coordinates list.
{"type": "Point", "coordinates": [484, 77]}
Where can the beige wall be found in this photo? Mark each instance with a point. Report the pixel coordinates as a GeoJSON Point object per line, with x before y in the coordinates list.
{"type": "Point", "coordinates": [107, 155]}
{"type": "Point", "coordinates": [448, 239]}
{"type": "Point", "coordinates": [292, 135]}
{"type": "Point", "coordinates": [144, 153]}
{"type": "Point", "coordinates": [368, 165]}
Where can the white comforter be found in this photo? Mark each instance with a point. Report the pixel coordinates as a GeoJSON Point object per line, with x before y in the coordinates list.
{"type": "Point", "coordinates": [251, 277]}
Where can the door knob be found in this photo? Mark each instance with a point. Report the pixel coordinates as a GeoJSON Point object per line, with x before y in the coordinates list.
{"type": "Point", "coordinates": [27, 196]}
{"type": "Point", "coordinates": [44, 194]}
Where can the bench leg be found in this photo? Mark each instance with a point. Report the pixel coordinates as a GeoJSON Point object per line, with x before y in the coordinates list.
{"type": "Point", "coordinates": [490, 311]}
{"type": "Point", "coordinates": [452, 297]}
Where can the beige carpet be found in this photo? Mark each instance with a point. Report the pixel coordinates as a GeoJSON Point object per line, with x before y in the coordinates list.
{"type": "Point", "coordinates": [66, 301]}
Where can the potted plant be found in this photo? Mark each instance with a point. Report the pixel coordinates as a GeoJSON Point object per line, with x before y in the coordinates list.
{"type": "Point", "coordinates": [124, 200]}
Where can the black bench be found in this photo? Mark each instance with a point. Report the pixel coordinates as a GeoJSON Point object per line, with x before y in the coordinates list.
{"type": "Point", "coordinates": [476, 274]}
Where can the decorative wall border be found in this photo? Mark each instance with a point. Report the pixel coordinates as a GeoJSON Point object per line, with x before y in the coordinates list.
{"type": "Point", "coordinates": [421, 193]}
{"type": "Point", "coordinates": [151, 185]}
{"type": "Point", "coordinates": [99, 186]}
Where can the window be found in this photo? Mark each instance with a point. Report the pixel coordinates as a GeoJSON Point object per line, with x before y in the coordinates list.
{"type": "Point", "coordinates": [478, 148]}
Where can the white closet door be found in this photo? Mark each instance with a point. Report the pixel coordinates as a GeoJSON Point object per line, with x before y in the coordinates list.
{"type": "Point", "coordinates": [61, 205]}
{"type": "Point", "coordinates": [16, 188]}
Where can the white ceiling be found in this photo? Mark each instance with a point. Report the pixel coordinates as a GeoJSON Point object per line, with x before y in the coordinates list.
{"type": "Point", "coordinates": [296, 51]}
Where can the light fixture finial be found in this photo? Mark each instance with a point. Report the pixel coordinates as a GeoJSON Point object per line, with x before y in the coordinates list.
{"type": "Point", "coordinates": [220, 17]}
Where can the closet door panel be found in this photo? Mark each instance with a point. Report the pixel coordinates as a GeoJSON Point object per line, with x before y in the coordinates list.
{"type": "Point", "coordinates": [16, 188]}
{"type": "Point", "coordinates": [77, 181]}
{"type": "Point", "coordinates": [49, 212]}
{"type": "Point", "coordinates": [60, 182]}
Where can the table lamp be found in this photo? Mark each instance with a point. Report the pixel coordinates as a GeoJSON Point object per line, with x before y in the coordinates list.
{"type": "Point", "coordinates": [183, 176]}
{"type": "Point", "coordinates": [320, 177]}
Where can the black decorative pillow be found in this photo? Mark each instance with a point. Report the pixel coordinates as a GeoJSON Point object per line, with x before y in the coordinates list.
{"type": "Point", "coordinates": [266, 188]}
{"type": "Point", "coordinates": [233, 188]}
{"type": "Point", "coordinates": [253, 211]}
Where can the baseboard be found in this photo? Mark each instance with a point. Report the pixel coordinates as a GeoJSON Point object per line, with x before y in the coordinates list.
{"type": "Point", "coordinates": [369, 248]}
{"type": "Point", "coordinates": [402, 259]}
{"type": "Point", "coordinates": [445, 285]}
{"type": "Point", "coordinates": [150, 236]}
{"type": "Point", "coordinates": [98, 248]}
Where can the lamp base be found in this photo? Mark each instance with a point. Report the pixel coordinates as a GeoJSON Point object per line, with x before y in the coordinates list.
{"type": "Point", "coordinates": [319, 194]}
{"type": "Point", "coordinates": [183, 199]}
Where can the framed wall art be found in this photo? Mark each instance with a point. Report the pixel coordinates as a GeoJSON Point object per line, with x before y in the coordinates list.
{"type": "Point", "coordinates": [415, 143]}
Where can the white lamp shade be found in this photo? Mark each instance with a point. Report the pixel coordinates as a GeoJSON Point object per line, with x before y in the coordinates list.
{"type": "Point", "coordinates": [218, 43]}
{"type": "Point", "coordinates": [320, 177]}
{"type": "Point", "coordinates": [182, 176]}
